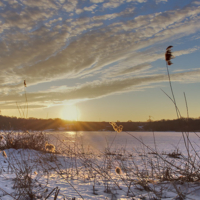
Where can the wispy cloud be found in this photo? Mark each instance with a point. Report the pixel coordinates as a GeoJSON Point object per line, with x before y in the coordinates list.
{"type": "Point", "coordinates": [43, 41]}
{"type": "Point", "coordinates": [97, 89]}
{"type": "Point", "coordinates": [134, 69]}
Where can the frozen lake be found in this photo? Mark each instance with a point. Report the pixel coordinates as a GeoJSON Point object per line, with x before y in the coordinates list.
{"type": "Point", "coordinates": [100, 140]}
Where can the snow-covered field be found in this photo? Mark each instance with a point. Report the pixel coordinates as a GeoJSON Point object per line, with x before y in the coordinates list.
{"type": "Point", "coordinates": [104, 165]}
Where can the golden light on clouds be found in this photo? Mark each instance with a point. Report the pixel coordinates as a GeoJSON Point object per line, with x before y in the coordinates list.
{"type": "Point", "coordinates": [70, 112]}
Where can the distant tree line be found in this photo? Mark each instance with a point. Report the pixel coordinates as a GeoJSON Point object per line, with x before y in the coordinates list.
{"type": "Point", "coordinates": [14, 123]}
{"type": "Point", "coordinates": [182, 124]}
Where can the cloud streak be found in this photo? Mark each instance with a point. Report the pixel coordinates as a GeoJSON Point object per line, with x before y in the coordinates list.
{"type": "Point", "coordinates": [96, 89]}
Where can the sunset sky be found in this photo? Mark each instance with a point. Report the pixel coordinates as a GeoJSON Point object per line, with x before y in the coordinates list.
{"type": "Point", "coordinates": [101, 59]}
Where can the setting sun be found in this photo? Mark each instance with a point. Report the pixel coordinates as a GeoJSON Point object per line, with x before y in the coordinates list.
{"type": "Point", "coordinates": [70, 112]}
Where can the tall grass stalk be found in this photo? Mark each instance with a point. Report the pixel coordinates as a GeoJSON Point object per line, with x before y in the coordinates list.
{"type": "Point", "coordinates": [26, 101]}
{"type": "Point", "coordinates": [187, 118]}
{"type": "Point", "coordinates": [170, 84]}
{"type": "Point", "coordinates": [168, 57]}
{"type": "Point", "coordinates": [23, 110]}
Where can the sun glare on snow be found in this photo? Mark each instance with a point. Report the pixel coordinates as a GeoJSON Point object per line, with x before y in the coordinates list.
{"type": "Point", "coordinates": [70, 112]}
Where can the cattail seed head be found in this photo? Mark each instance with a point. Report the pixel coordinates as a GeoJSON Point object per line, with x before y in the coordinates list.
{"type": "Point", "coordinates": [168, 55]}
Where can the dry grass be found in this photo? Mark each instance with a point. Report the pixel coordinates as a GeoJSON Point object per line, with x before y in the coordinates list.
{"type": "Point", "coordinates": [23, 140]}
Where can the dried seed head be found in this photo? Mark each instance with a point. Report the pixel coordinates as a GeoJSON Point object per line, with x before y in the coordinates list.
{"type": "Point", "coordinates": [168, 55]}
{"type": "Point", "coordinates": [116, 127]}
{"type": "Point", "coordinates": [50, 147]}
{"type": "Point", "coordinates": [4, 154]}
{"type": "Point", "coordinates": [24, 83]}
{"type": "Point", "coordinates": [1, 137]}
{"type": "Point", "coordinates": [118, 170]}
